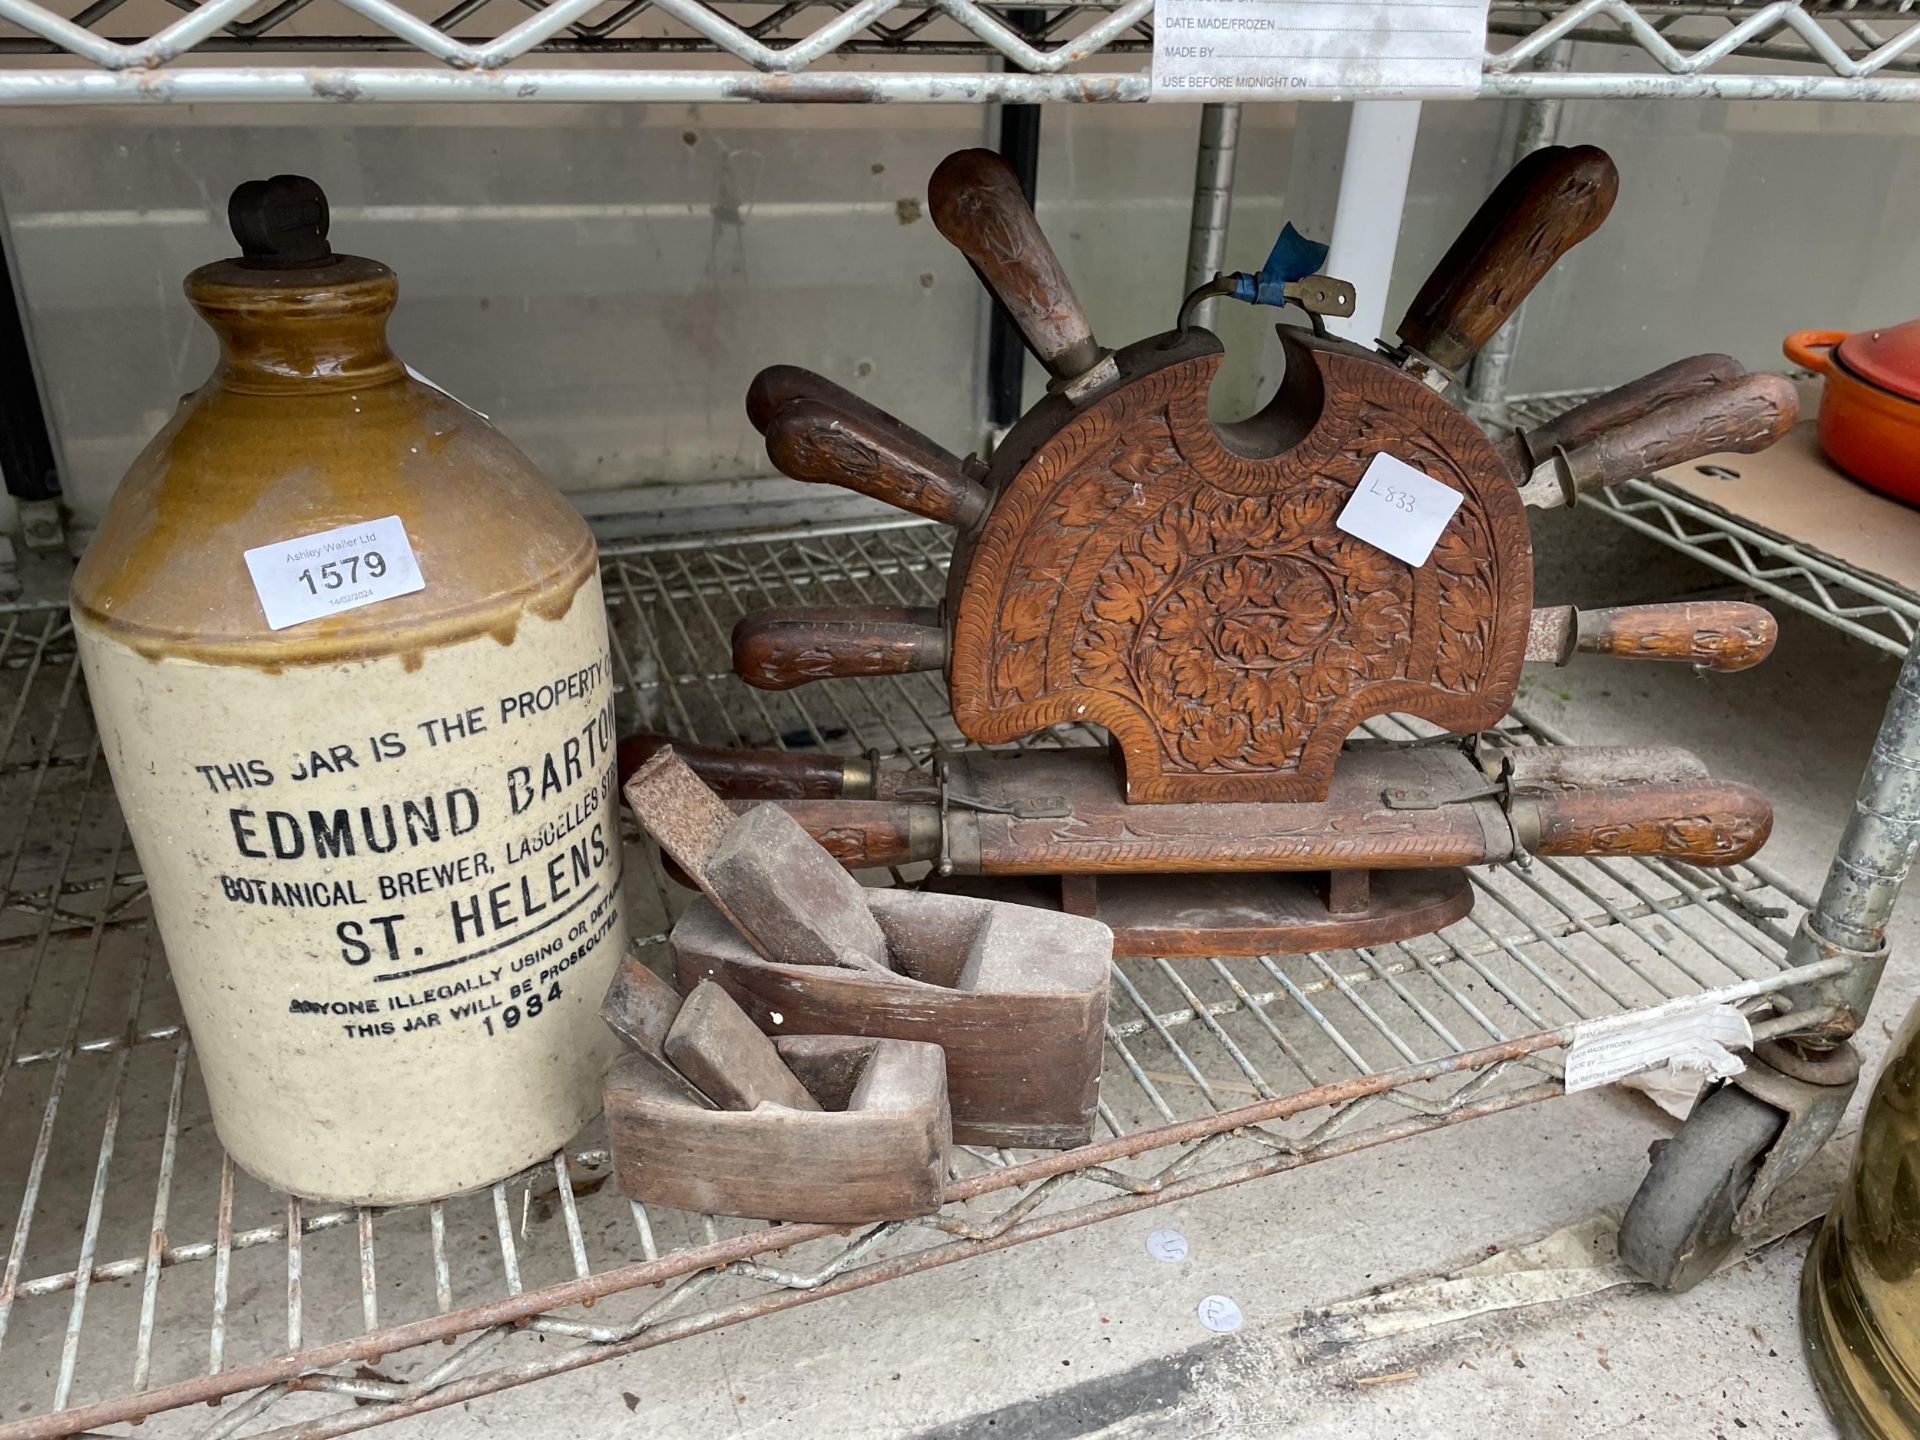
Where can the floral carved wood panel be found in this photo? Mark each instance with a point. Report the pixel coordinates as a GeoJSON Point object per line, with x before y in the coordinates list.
{"type": "Point", "coordinates": [1201, 604]}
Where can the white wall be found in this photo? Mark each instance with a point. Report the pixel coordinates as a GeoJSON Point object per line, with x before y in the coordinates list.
{"type": "Point", "coordinates": [604, 281]}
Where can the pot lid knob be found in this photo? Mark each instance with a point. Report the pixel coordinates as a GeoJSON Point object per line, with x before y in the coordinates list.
{"type": "Point", "coordinates": [1888, 357]}
{"type": "Point", "coordinates": [281, 223]}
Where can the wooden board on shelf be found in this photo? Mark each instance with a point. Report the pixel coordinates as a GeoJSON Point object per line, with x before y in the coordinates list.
{"type": "Point", "coordinates": [1794, 491]}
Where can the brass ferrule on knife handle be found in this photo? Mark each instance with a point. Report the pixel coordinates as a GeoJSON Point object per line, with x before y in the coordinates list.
{"type": "Point", "coordinates": [1723, 635]}
{"type": "Point", "coordinates": [1744, 416]}
{"type": "Point", "coordinates": [976, 203]}
{"type": "Point", "coordinates": [1548, 203]}
{"type": "Point", "coordinates": [779, 649]}
{"type": "Point", "coordinates": [759, 774]}
{"type": "Point", "coordinates": [823, 442]}
{"type": "Point", "coordinates": [1526, 450]}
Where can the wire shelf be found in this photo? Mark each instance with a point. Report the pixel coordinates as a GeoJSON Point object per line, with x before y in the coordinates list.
{"type": "Point", "coordinates": [506, 49]}
{"type": "Point", "coordinates": [143, 1272]}
{"type": "Point", "coordinates": [1853, 601]}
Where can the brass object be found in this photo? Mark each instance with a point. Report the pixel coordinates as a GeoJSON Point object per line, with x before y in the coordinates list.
{"type": "Point", "coordinates": [1860, 1290]}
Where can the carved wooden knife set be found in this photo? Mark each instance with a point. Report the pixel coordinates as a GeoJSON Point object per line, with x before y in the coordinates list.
{"type": "Point", "coordinates": [1126, 562]}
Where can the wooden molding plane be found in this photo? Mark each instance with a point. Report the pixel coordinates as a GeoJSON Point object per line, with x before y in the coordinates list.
{"type": "Point", "coordinates": [877, 1148]}
{"type": "Point", "coordinates": [1016, 997]}
{"type": "Point", "coordinates": [705, 1113]}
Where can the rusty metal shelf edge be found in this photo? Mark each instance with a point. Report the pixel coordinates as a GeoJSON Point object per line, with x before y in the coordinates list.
{"type": "Point", "coordinates": [288, 1370]}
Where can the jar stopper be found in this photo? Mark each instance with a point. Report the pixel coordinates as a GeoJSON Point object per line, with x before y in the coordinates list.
{"type": "Point", "coordinates": [281, 223]}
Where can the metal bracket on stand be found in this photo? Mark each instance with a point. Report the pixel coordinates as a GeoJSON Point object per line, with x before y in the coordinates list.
{"type": "Point", "coordinates": [1415, 797]}
{"type": "Point", "coordinates": [1287, 278]}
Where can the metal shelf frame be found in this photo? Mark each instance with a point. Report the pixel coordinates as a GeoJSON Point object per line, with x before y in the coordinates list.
{"type": "Point", "coordinates": [133, 1239]}
{"type": "Point", "coordinates": [502, 50]}
{"type": "Point", "coordinates": [142, 1273]}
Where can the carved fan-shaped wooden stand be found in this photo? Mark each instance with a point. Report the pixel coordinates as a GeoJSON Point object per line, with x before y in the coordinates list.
{"type": "Point", "coordinates": [1187, 588]}
{"type": "Point", "coordinates": [1123, 561]}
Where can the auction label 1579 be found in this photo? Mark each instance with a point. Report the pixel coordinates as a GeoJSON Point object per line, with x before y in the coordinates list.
{"type": "Point", "coordinates": [333, 571]}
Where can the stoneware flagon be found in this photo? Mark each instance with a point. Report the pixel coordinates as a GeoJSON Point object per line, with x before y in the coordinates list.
{"type": "Point", "coordinates": [381, 837]}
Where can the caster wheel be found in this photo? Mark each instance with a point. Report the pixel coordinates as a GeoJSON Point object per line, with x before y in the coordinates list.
{"type": "Point", "coordinates": [1680, 1224]}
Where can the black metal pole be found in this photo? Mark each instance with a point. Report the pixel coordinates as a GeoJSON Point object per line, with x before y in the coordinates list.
{"type": "Point", "coordinates": [1020, 148]}
{"type": "Point", "coordinates": [26, 446]}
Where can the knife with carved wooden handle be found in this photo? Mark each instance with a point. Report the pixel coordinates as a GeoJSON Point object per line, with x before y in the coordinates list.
{"type": "Point", "coordinates": [766, 774]}
{"type": "Point", "coordinates": [1702, 823]}
{"type": "Point", "coordinates": [1721, 635]}
{"type": "Point", "coordinates": [776, 385]}
{"type": "Point", "coordinates": [1548, 203]}
{"type": "Point", "coordinates": [977, 204]}
{"type": "Point", "coordinates": [779, 649]}
{"type": "Point", "coordinates": [824, 441]}
{"type": "Point", "coordinates": [1061, 812]}
{"type": "Point", "coordinates": [1527, 449]}
{"type": "Point", "coordinates": [1744, 415]}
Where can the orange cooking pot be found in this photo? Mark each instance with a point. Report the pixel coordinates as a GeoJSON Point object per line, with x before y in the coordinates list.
{"type": "Point", "coordinates": [1870, 407]}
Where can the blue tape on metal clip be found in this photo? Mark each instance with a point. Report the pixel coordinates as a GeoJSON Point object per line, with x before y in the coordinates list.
{"type": "Point", "coordinates": [1292, 258]}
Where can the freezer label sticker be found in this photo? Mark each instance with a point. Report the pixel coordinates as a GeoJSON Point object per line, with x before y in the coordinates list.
{"type": "Point", "coordinates": [334, 571]}
{"type": "Point", "coordinates": [1398, 509]}
{"type": "Point", "coordinates": [1281, 49]}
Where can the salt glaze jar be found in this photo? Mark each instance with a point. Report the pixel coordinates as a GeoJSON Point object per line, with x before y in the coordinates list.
{"type": "Point", "coordinates": [347, 655]}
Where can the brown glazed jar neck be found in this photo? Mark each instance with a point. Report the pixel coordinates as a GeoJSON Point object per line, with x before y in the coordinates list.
{"type": "Point", "coordinates": [316, 328]}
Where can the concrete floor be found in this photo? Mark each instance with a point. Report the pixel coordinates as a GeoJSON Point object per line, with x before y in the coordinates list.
{"type": "Point", "coordinates": [1087, 1334]}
